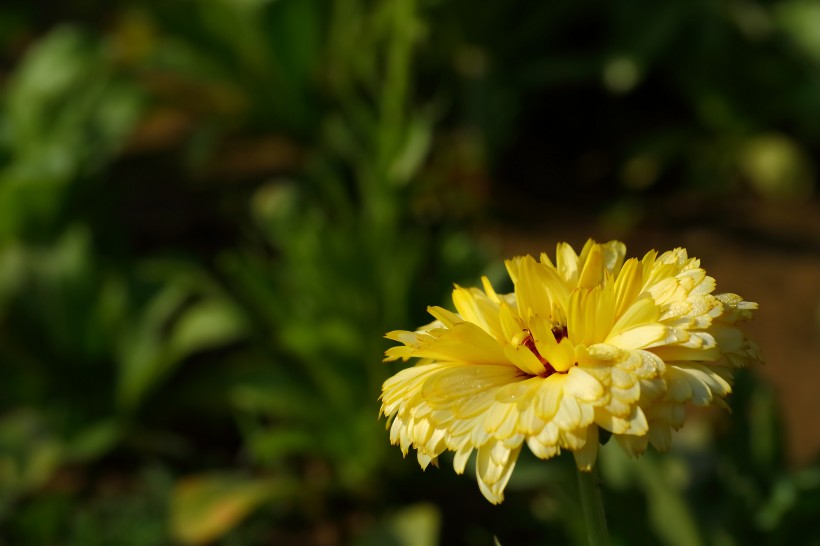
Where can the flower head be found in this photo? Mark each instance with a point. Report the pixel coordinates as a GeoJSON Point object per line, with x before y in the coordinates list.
{"type": "Point", "coordinates": [586, 343]}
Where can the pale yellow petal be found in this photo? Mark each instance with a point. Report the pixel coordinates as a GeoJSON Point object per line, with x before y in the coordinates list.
{"type": "Point", "coordinates": [569, 415]}
{"type": "Point", "coordinates": [703, 384]}
{"type": "Point", "coordinates": [461, 457]}
{"type": "Point", "coordinates": [614, 253]}
{"type": "Point", "coordinates": [492, 476]}
{"type": "Point", "coordinates": [548, 396]}
{"type": "Point", "coordinates": [542, 451]}
{"type": "Point", "coordinates": [583, 386]}
{"type": "Point", "coordinates": [586, 456]}
{"type": "Point", "coordinates": [567, 264]}
{"type": "Point", "coordinates": [424, 460]}
{"type": "Point", "coordinates": [634, 423]}
{"type": "Point", "coordinates": [497, 418]}
{"type": "Point", "coordinates": [457, 385]}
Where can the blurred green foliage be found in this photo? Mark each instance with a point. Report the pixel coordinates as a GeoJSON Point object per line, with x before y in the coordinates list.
{"type": "Point", "coordinates": [210, 212]}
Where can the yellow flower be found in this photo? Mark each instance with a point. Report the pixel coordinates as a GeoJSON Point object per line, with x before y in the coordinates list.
{"type": "Point", "coordinates": [585, 343]}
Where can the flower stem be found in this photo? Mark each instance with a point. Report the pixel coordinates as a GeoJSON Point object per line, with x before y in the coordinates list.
{"type": "Point", "coordinates": [593, 507]}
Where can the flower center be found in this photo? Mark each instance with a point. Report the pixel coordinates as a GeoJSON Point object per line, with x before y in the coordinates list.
{"type": "Point", "coordinates": [559, 332]}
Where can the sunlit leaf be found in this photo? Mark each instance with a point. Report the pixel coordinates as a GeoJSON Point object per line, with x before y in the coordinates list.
{"type": "Point", "coordinates": [206, 325]}
{"type": "Point", "coordinates": [205, 507]}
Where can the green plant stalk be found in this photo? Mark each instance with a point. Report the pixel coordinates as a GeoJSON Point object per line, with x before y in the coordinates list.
{"type": "Point", "coordinates": [593, 507]}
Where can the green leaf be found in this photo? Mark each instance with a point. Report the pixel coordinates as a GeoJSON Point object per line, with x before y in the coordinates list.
{"type": "Point", "coordinates": [141, 357]}
{"type": "Point", "coordinates": [209, 324]}
{"type": "Point", "coordinates": [94, 441]}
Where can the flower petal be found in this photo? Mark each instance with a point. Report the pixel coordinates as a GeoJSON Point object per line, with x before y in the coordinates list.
{"type": "Point", "coordinates": [494, 467]}
{"type": "Point", "coordinates": [640, 337]}
{"type": "Point", "coordinates": [586, 456]}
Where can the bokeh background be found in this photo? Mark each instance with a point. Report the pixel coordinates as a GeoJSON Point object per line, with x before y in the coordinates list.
{"type": "Point", "coordinates": [212, 210]}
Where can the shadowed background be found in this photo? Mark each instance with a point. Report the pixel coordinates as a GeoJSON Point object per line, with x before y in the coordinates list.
{"type": "Point", "coordinates": [211, 212]}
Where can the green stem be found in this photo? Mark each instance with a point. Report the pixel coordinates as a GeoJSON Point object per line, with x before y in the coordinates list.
{"type": "Point", "coordinates": [593, 507]}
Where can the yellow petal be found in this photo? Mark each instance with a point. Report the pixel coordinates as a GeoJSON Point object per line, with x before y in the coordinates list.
{"type": "Point", "coordinates": [489, 290]}
{"type": "Point", "coordinates": [466, 342]}
{"type": "Point", "coordinates": [474, 306]}
{"type": "Point", "coordinates": [448, 318]}
{"type": "Point", "coordinates": [511, 325]}
{"type": "Point", "coordinates": [542, 335]}
{"type": "Point", "coordinates": [591, 314]}
{"type": "Point", "coordinates": [628, 285]}
{"type": "Point", "coordinates": [593, 272]}
{"type": "Point", "coordinates": [642, 311]}
{"type": "Point", "coordinates": [531, 293]}
{"type": "Point", "coordinates": [524, 359]}
{"type": "Point", "coordinates": [560, 356]}
{"type": "Point", "coordinates": [497, 416]}
{"type": "Point", "coordinates": [639, 337]}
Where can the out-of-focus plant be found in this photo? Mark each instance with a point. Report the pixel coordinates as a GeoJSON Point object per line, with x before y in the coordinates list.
{"type": "Point", "coordinates": [348, 257]}
{"type": "Point", "coordinates": [57, 130]}
{"type": "Point", "coordinates": [84, 339]}
{"type": "Point", "coordinates": [338, 252]}
{"type": "Point", "coordinates": [65, 113]}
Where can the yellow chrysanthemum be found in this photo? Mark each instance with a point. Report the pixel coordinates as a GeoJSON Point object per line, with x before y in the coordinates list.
{"type": "Point", "coordinates": [586, 343]}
